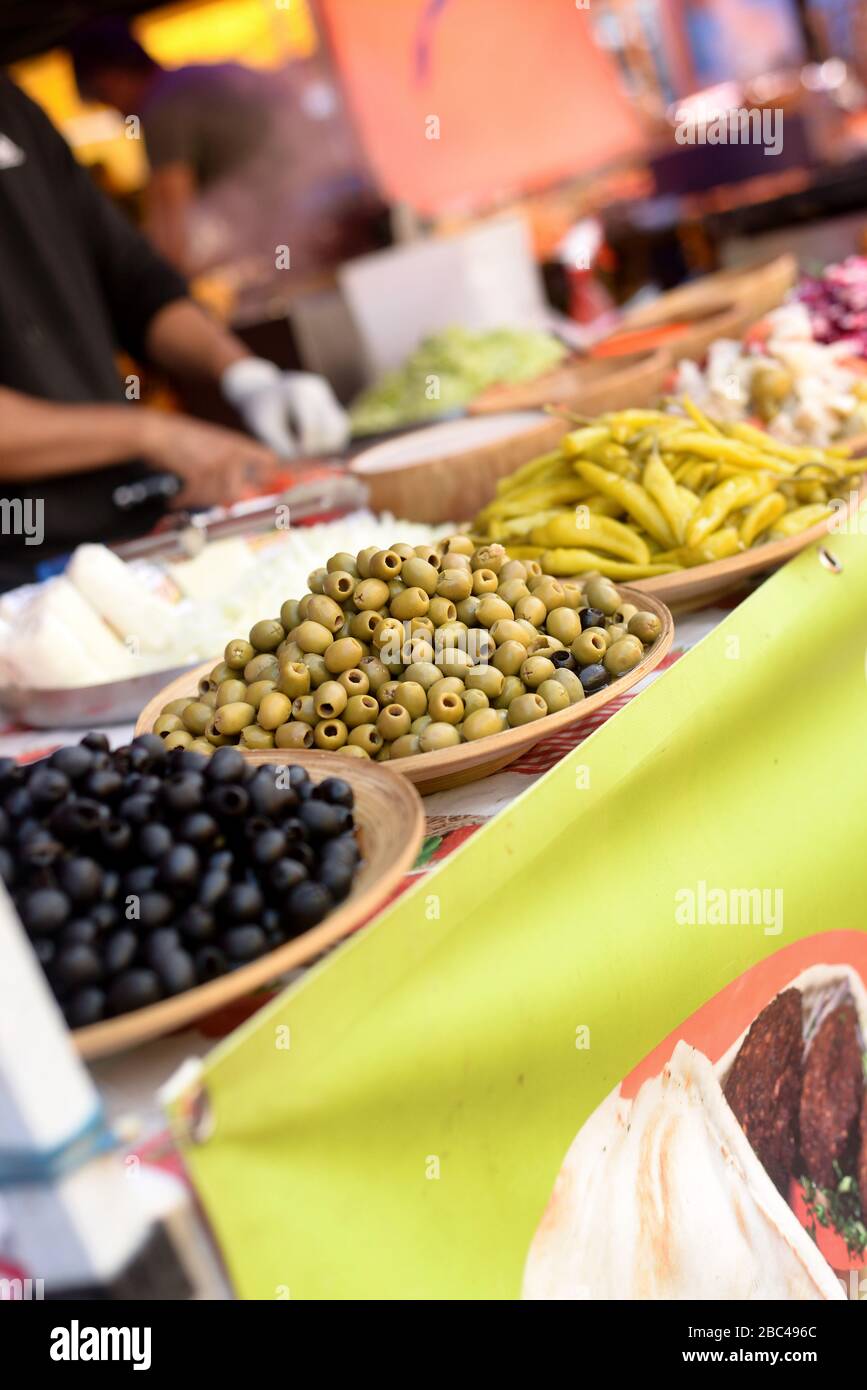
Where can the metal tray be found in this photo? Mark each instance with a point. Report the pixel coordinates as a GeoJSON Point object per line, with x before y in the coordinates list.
{"type": "Point", "coordinates": [87, 706]}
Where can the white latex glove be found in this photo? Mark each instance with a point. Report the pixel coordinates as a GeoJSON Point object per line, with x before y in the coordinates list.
{"type": "Point", "coordinates": [288, 411]}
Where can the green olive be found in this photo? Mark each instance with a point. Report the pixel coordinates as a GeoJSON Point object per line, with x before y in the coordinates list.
{"type": "Point", "coordinates": [491, 557]}
{"type": "Point", "coordinates": [446, 707]}
{"type": "Point", "coordinates": [412, 696]}
{"type": "Point", "coordinates": [429, 553]}
{"type": "Point", "coordinates": [294, 679]}
{"type": "Point", "coordinates": [366, 736]}
{"type": "Point", "coordinates": [419, 724]}
{"type": "Point", "coordinates": [330, 700]}
{"type": "Point", "coordinates": [330, 733]}
{"type": "Point", "coordinates": [377, 673]}
{"type": "Point", "coordinates": [293, 735]}
{"type": "Point", "coordinates": [437, 736]}
{"type": "Point", "coordinates": [313, 637]}
{"type": "Point", "coordinates": [589, 647]}
{"type": "Point", "coordinates": [485, 581]}
{"type": "Point", "coordinates": [527, 708]}
{"type": "Point", "coordinates": [179, 739]}
{"type": "Point", "coordinates": [323, 610]}
{"type": "Point", "coordinates": [343, 655]}
{"type": "Point", "coordinates": [219, 740]}
{"type": "Point", "coordinates": [551, 593]}
{"type": "Point", "coordinates": [315, 664]}
{"type": "Point", "coordinates": [473, 700]}
{"type": "Point", "coordinates": [512, 688]}
{"type": "Point", "coordinates": [564, 624]}
{"type": "Point", "coordinates": [231, 719]}
{"type": "Point", "coordinates": [512, 591]}
{"type": "Point", "coordinates": [316, 578]}
{"type": "Point", "coordinates": [481, 725]}
{"type": "Point", "coordinates": [304, 710]}
{"type": "Point", "coordinates": [531, 610]}
{"type": "Point", "coordinates": [288, 651]}
{"type": "Point", "coordinates": [261, 668]}
{"type": "Point", "coordinates": [275, 709]}
{"type": "Point", "coordinates": [535, 670]}
{"type": "Point", "coordinates": [363, 559]}
{"type": "Point", "coordinates": [623, 655]}
{"type": "Point", "coordinates": [412, 603]}
{"type": "Point", "coordinates": [256, 738]}
{"type": "Point", "coordinates": [209, 698]}
{"type": "Point", "coordinates": [360, 709]}
{"type": "Point", "coordinates": [407, 746]}
{"type": "Point", "coordinates": [354, 681]}
{"type": "Point", "coordinates": [230, 692]}
{"type": "Point", "coordinates": [289, 615]}
{"type": "Point", "coordinates": [645, 626]}
{"type": "Point", "coordinates": [255, 693]}
{"type": "Point", "coordinates": [467, 609]}
{"type": "Point", "coordinates": [601, 593]}
{"type": "Point", "coordinates": [363, 625]}
{"type": "Point", "coordinates": [386, 693]}
{"type": "Point", "coordinates": [201, 745]}
{"type": "Point", "coordinates": [571, 683]}
{"type": "Point", "coordinates": [509, 658]}
{"type": "Point", "coordinates": [389, 636]}
{"type": "Point", "coordinates": [554, 694]}
{"type": "Point", "coordinates": [385, 564]}
{"type": "Point", "coordinates": [351, 750]}
{"type": "Point", "coordinates": [196, 717]}
{"type": "Point", "coordinates": [615, 632]}
{"type": "Point", "coordinates": [574, 593]}
{"type": "Point", "coordinates": [171, 723]}
{"type": "Point", "coordinates": [342, 561]}
{"type": "Point", "coordinates": [454, 684]}
{"type": "Point", "coordinates": [238, 653]}
{"type": "Point", "coordinates": [406, 552]}
{"type": "Point", "coordinates": [489, 679]}
{"type": "Point", "coordinates": [493, 609]}
{"type": "Point", "coordinates": [511, 631]}
{"type": "Point", "coordinates": [425, 672]}
{"type": "Point", "coordinates": [420, 574]}
{"type": "Point", "coordinates": [513, 569]}
{"type": "Point", "coordinates": [459, 544]}
{"type": "Point", "coordinates": [625, 613]}
{"type": "Point", "coordinates": [454, 662]}
{"type": "Point", "coordinates": [176, 706]}
{"type": "Point", "coordinates": [370, 594]}
{"type": "Point", "coordinates": [339, 585]}
{"type": "Point", "coordinates": [267, 634]}
{"type": "Point", "coordinates": [393, 722]}
{"type": "Point", "coordinates": [456, 585]}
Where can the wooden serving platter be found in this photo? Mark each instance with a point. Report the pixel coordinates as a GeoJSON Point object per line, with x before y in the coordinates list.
{"type": "Point", "coordinates": [390, 827]}
{"type": "Point", "coordinates": [467, 762]}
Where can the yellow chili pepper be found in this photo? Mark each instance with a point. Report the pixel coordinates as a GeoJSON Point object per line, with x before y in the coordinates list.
{"type": "Point", "coordinates": [582, 529]}
{"type": "Point", "coordinates": [761, 516]}
{"type": "Point", "coordinates": [801, 519]}
{"type": "Point", "coordinates": [566, 562]}
{"type": "Point", "coordinates": [699, 417]}
{"type": "Point", "coordinates": [726, 450]}
{"type": "Point", "coordinates": [726, 497]}
{"type": "Point", "coordinates": [633, 498]}
{"type": "Point", "coordinates": [573, 445]}
{"type": "Point", "coordinates": [546, 465]}
{"type": "Point", "coordinates": [663, 489]}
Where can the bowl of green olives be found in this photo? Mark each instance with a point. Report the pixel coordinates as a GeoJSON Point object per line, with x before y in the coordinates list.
{"type": "Point", "coordinates": [447, 661]}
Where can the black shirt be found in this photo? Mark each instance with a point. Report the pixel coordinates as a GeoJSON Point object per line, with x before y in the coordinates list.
{"type": "Point", "coordinates": [77, 283]}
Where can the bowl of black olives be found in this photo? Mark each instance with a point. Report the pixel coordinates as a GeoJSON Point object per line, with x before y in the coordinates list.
{"type": "Point", "coordinates": [158, 886]}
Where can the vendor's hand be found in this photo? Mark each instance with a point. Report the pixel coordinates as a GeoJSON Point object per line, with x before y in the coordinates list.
{"type": "Point", "coordinates": [217, 465]}
{"type": "Point", "coordinates": [290, 411]}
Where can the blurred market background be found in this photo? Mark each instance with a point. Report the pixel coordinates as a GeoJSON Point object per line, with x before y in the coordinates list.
{"type": "Point", "coordinates": [412, 120]}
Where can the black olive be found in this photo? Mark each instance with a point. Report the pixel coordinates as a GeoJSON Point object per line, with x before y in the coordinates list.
{"type": "Point", "coordinates": [137, 809]}
{"type": "Point", "coordinates": [11, 774]}
{"type": "Point", "coordinates": [101, 759]}
{"type": "Point", "coordinates": [180, 868]}
{"type": "Point", "coordinates": [75, 966]}
{"type": "Point", "coordinates": [78, 818]}
{"type": "Point", "coordinates": [176, 971]}
{"type": "Point", "coordinates": [110, 885]}
{"type": "Point", "coordinates": [45, 948]}
{"type": "Point", "coordinates": [343, 847]}
{"type": "Point", "coordinates": [210, 962]}
{"type": "Point", "coordinates": [39, 851]}
{"type": "Point", "coordinates": [244, 943]}
{"type": "Point", "coordinates": [144, 784]}
{"type": "Point", "coordinates": [197, 923]}
{"type": "Point", "coordinates": [7, 867]}
{"type": "Point", "coordinates": [591, 617]}
{"type": "Point", "coordinates": [44, 910]}
{"type": "Point", "coordinates": [184, 760]}
{"type": "Point", "coordinates": [562, 660]}
{"type": "Point", "coordinates": [86, 1006]}
{"type": "Point", "coordinates": [134, 989]}
{"type": "Point", "coordinates": [270, 792]}
{"type": "Point", "coordinates": [155, 909]}
{"type": "Point", "coordinates": [227, 799]}
{"type": "Point", "coordinates": [115, 837]}
{"type": "Point", "coordinates": [48, 785]}
{"type": "Point", "coordinates": [140, 879]}
{"type": "Point", "coordinates": [183, 792]}
{"type": "Point", "coordinates": [337, 878]}
{"type": "Point", "coordinates": [81, 879]}
{"type": "Point", "coordinates": [198, 829]}
{"type": "Point", "coordinates": [18, 803]}
{"type": "Point", "coordinates": [222, 859]}
{"type": "Point", "coordinates": [138, 758]}
{"type": "Point", "coordinates": [243, 902]}
{"type": "Point", "coordinates": [306, 905]}
{"type": "Point", "coordinates": [269, 847]}
{"type": "Point", "coordinates": [593, 678]}
{"type": "Point", "coordinates": [103, 784]}
{"type": "Point", "coordinates": [154, 745]}
{"type": "Point", "coordinates": [323, 820]}
{"type": "Point", "coordinates": [155, 840]}
{"type": "Point", "coordinates": [305, 855]}
{"type": "Point", "coordinates": [104, 915]}
{"type": "Point", "coordinates": [73, 761]}
{"type": "Point", "coordinates": [159, 942]}
{"type": "Point", "coordinates": [286, 874]}
{"type": "Point", "coordinates": [335, 790]}
{"type": "Point", "coordinates": [96, 742]}
{"type": "Point", "coordinates": [214, 883]}
{"type": "Point", "coordinates": [226, 765]}
{"type": "Point", "coordinates": [4, 826]}
{"type": "Point", "coordinates": [300, 782]}
{"type": "Point", "coordinates": [81, 931]}
{"type": "Point", "coordinates": [119, 950]}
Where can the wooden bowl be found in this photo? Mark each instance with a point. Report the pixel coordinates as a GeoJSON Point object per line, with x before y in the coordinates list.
{"type": "Point", "coordinates": [451, 470]}
{"type": "Point", "coordinates": [467, 762]}
{"type": "Point", "coordinates": [390, 822]}
{"type": "Point", "coordinates": [700, 586]}
{"type": "Point", "coordinates": [755, 289]}
{"type": "Point", "coordinates": [683, 332]}
{"type": "Point", "coordinates": [588, 384]}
